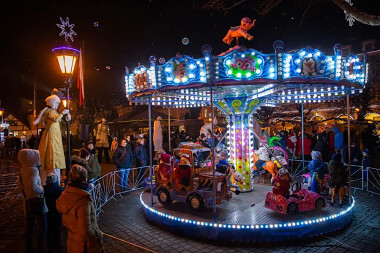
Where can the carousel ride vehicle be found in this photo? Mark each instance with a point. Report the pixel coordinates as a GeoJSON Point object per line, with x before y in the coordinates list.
{"type": "Point", "coordinates": [301, 200]}
{"type": "Point", "coordinates": [238, 82]}
{"type": "Point", "coordinates": [195, 188]}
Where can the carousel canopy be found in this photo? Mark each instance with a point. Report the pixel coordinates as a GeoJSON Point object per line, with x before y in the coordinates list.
{"type": "Point", "coordinates": [306, 75]}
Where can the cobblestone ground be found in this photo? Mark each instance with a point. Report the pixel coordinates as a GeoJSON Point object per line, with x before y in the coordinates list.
{"type": "Point", "coordinates": [124, 219]}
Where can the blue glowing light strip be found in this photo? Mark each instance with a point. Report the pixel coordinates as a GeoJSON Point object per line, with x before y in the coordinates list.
{"type": "Point", "coordinates": [65, 48]}
{"type": "Point", "coordinates": [251, 226]}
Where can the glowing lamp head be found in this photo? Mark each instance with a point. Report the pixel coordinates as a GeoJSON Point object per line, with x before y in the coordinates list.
{"type": "Point", "coordinates": [67, 58]}
{"type": "Point", "coordinates": [1, 111]}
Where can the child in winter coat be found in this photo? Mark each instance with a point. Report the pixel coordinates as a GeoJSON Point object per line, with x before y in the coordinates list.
{"type": "Point", "coordinates": [165, 168]}
{"type": "Point", "coordinates": [317, 171]}
{"type": "Point", "coordinates": [182, 173]}
{"type": "Point", "coordinates": [281, 183]}
{"type": "Point", "coordinates": [263, 157]}
{"type": "Point", "coordinates": [54, 220]}
{"type": "Point", "coordinates": [33, 192]}
{"type": "Point", "coordinates": [338, 178]}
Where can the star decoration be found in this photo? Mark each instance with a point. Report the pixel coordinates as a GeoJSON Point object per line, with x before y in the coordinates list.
{"type": "Point", "coordinates": [67, 29]}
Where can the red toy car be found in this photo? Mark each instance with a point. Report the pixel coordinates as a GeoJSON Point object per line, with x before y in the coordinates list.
{"type": "Point", "coordinates": [300, 200]}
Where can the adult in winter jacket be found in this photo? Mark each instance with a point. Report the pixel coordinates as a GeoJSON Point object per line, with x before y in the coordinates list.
{"type": "Point", "coordinates": [93, 167]}
{"type": "Point", "coordinates": [78, 214]}
{"type": "Point", "coordinates": [102, 143]}
{"type": "Point", "coordinates": [338, 141]}
{"type": "Point", "coordinates": [338, 178]}
{"type": "Point", "coordinates": [306, 147]}
{"type": "Point", "coordinates": [123, 159]}
{"type": "Point", "coordinates": [141, 158]}
{"type": "Point", "coordinates": [33, 191]}
{"type": "Point", "coordinates": [54, 219]}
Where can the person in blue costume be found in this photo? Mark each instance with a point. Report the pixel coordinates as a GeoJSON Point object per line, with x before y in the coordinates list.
{"type": "Point", "coordinates": [317, 171]}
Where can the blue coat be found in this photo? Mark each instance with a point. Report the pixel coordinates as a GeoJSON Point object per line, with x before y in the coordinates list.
{"type": "Point", "coordinates": [123, 161]}
{"type": "Point", "coordinates": [338, 143]}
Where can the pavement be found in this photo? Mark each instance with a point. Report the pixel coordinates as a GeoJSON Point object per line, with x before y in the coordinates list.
{"type": "Point", "coordinates": [123, 219]}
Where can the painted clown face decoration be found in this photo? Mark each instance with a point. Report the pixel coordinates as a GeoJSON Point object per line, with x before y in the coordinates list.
{"type": "Point", "coordinates": [180, 71]}
{"type": "Point", "coordinates": [246, 66]}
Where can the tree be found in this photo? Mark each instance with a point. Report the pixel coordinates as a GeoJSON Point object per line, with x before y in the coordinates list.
{"type": "Point", "coordinates": [264, 7]}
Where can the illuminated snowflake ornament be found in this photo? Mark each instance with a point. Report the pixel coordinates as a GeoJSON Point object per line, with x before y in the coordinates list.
{"type": "Point", "coordinates": [67, 29]}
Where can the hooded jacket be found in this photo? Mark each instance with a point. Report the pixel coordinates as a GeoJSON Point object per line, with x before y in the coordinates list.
{"type": "Point", "coordinates": [31, 182]}
{"type": "Point", "coordinates": [79, 217]}
{"type": "Point", "coordinates": [317, 166]}
{"type": "Point", "coordinates": [338, 142]}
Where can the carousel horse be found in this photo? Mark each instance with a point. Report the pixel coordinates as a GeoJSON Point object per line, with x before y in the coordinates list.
{"type": "Point", "coordinates": [268, 165]}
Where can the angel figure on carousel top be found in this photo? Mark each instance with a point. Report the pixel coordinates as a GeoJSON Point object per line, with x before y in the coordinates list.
{"type": "Point", "coordinates": [51, 148]}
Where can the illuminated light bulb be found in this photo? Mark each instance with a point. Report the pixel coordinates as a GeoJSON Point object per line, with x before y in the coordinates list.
{"type": "Point", "coordinates": [203, 79]}
{"type": "Point", "coordinates": [191, 75]}
{"type": "Point", "coordinates": [286, 75]}
{"type": "Point", "coordinates": [243, 55]}
{"type": "Point", "coordinates": [229, 72]}
{"type": "Point", "coordinates": [167, 69]}
{"type": "Point", "coordinates": [238, 74]}
{"type": "Point", "coordinates": [298, 60]}
{"type": "Point", "coordinates": [271, 75]}
{"type": "Point", "coordinates": [176, 80]}
{"type": "Point", "coordinates": [207, 58]}
{"type": "Point", "coordinates": [302, 53]}
{"type": "Point", "coordinates": [309, 55]}
{"type": "Point", "coordinates": [258, 71]}
{"type": "Point", "coordinates": [317, 54]}
{"type": "Point", "coordinates": [298, 70]}
{"type": "Point", "coordinates": [248, 74]}
{"type": "Point", "coordinates": [192, 66]}
{"type": "Point", "coordinates": [271, 69]}
{"type": "Point", "coordinates": [184, 79]}
{"type": "Point", "coordinates": [259, 61]}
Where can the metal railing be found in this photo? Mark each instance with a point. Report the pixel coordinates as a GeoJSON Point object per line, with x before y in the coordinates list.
{"type": "Point", "coordinates": [361, 179]}
{"type": "Point", "coordinates": [117, 183]}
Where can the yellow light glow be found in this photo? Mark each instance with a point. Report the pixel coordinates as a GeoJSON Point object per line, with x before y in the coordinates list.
{"type": "Point", "coordinates": [1, 113]}
{"type": "Point", "coordinates": [66, 63]}
{"type": "Point", "coordinates": [64, 103]}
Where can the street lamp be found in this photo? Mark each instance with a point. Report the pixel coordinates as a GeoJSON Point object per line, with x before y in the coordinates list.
{"type": "Point", "coordinates": [1, 114]}
{"type": "Point", "coordinates": [67, 57]}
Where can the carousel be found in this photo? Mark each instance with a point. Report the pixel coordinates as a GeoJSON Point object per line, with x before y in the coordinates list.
{"type": "Point", "coordinates": [238, 82]}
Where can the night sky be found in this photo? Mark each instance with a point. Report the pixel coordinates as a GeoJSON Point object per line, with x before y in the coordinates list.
{"type": "Point", "coordinates": [131, 31]}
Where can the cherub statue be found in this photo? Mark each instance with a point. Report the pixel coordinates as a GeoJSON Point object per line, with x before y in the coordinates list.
{"type": "Point", "coordinates": [240, 31]}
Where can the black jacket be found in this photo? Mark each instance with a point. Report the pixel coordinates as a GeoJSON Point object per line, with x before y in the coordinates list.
{"type": "Point", "coordinates": [123, 157]}
{"type": "Point", "coordinates": [52, 193]}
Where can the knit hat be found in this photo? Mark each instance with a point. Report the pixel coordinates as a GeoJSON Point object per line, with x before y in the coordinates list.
{"type": "Point", "coordinates": [165, 158]}
{"type": "Point", "coordinates": [89, 142]}
{"type": "Point", "coordinates": [184, 161]}
{"type": "Point", "coordinates": [316, 155]}
{"type": "Point", "coordinates": [51, 178]}
{"type": "Point", "coordinates": [283, 172]}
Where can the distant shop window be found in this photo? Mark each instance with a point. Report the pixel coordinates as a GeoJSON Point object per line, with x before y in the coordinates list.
{"type": "Point", "coordinates": [15, 133]}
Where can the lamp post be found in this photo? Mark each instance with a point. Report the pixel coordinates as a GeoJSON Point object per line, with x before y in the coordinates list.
{"type": "Point", "coordinates": [67, 58]}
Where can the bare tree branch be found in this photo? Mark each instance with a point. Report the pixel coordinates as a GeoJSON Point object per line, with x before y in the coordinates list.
{"type": "Point", "coordinates": [360, 16]}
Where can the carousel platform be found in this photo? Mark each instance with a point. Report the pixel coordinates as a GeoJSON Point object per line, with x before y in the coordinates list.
{"type": "Point", "coordinates": [245, 219]}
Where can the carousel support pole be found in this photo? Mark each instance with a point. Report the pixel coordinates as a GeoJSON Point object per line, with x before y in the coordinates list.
{"type": "Point", "coordinates": [349, 146]}
{"type": "Point", "coordinates": [213, 156]}
{"type": "Point", "coordinates": [150, 149]}
{"type": "Point", "coordinates": [302, 136]}
{"type": "Point", "coordinates": [170, 145]}
{"type": "Point", "coordinates": [68, 164]}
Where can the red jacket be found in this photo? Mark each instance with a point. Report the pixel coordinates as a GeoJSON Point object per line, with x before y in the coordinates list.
{"type": "Point", "coordinates": [182, 173]}
{"type": "Point", "coordinates": [331, 143]}
{"type": "Point", "coordinates": [306, 148]}
{"type": "Point", "coordinates": [165, 170]}
{"type": "Point", "coordinates": [280, 187]}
